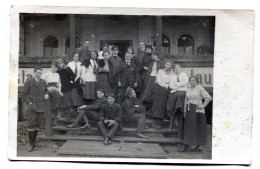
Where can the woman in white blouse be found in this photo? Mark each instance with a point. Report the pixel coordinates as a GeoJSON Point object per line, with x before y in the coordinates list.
{"type": "Point", "coordinates": [195, 123]}
{"type": "Point", "coordinates": [175, 103]}
{"type": "Point", "coordinates": [54, 88]}
{"type": "Point", "coordinates": [90, 69]}
{"type": "Point", "coordinates": [75, 65]}
{"type": "Point", "coordinates": [160, 94]}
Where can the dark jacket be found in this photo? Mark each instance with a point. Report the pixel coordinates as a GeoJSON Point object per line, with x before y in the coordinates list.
{"type": "Point", "coordinates": [34, 92]}
{"type": "Point", "coordinates": [127, 74]}
{"type": "Point", "coordinates": [97, 104]}
{"type": "Point", "coordinates": [84, 54]}
{"type": "Point", "coordinates": [111, 75]}
{"type": "Point", "coordinates": [128, 107]}
{"type": "Point", "coordinates": [111, 113]}
{"type": "Point", "coordinates": [67, 78]}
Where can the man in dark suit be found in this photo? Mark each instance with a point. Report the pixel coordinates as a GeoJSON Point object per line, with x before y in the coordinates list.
{"type": "Point", "coordinates": [34, 95]}
{"type": "Point", "coordinates": [90, 111]}
{"type": "Point", "coordinates": [137, 60]}
{"type": "Point", "coordinates": [84, 52]}
{"type": "Point", "coordinates": [133, 111]}
{"type": "Point", "coordinates": [127, 76]}
{"type": "Point", "coordinates": [110, 118]}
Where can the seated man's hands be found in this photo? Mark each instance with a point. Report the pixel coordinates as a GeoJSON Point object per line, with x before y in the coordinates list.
{"type": "Point", "coordinates": [81, 107]}
{"type": "Point", "coordinates": [111, 122]}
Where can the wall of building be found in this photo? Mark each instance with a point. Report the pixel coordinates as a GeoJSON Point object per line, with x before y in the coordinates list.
{"type": "Point", "coordinates": [103, 28]}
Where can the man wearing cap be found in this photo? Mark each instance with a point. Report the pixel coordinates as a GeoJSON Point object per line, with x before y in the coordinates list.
{"type": "Point", "coordinates": [84, 52]}
{"type": "Point", "coordinates": [90, 111]}
{"type": "Point", "coordinates": [134, 112]}
{"type": "Point", "coordinates": [110, 118]}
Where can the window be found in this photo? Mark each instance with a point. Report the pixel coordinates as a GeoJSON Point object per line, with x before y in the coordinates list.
{"type": "Point", "coordinates": [186, 45]}
{"type": "Point", "coordinates": [50, 46]}
{"type": "Point", "coordinates": [67, 44]}
{"type": "Point", "coordinates": [165, 44]}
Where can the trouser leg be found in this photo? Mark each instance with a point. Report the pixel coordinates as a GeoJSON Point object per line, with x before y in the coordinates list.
{"type": "Point", "coordinates": [31, 139]}
{"type": "Point", "coordinates": [139, 119]}
{"type": "Point", "coordinates": [113, 129]}
{"type": "Point", "coordinates": [102, 128]}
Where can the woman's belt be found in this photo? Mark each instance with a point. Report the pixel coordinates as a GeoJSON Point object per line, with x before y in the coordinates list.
{"type": "Point", "coordinates": [53, 84]}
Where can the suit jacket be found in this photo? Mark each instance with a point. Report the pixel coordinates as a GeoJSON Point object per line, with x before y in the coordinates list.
{"type": "Point", "coordinates": [111, 113]}
{"type": "Point", "coordinates": [128, 107]}
{"type": "Point", "coordinates": [33, 92]}
{"type": "Point", "coordinates": [97, 105]}
{"type": "Point", "coordinates": [127, 74]}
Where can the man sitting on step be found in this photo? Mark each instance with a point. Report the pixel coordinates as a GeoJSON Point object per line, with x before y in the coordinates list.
{"type": "Point", "coordinates": [110, 118]}
{"type": "Point", "coordinates": [133, 111]}
{"type": "Point", "coordinates": [90, 111]}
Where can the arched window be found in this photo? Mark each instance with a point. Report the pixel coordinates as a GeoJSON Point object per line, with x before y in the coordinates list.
{"type": "Point", "coordinates": [50, 46]}
{"type": "Point", "coordinates": [165, 44]}
{"type": "Point", "coordinates": [67, 44]}
{"type": "Point", "coordinates": [186, 45]}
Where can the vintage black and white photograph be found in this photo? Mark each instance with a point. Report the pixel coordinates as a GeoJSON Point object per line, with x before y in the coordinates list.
{"type": "Point", "coordinates": [134, 86]}
{"type": "Point", "coordinates": [130, 85]}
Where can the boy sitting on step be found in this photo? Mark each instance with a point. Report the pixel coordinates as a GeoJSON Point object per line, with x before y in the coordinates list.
{"type": "Point", "coordinates": [90, 111]}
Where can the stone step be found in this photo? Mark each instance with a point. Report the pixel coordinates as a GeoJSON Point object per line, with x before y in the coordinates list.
{"type": "Point", "coordinates": [126, 131]}
{"type": "Point", "coordinates": [159, 140]}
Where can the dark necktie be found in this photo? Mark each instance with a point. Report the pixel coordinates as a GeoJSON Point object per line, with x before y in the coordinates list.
{"type": "Point", "coordinates": [178, 79]}
{"type": "Point", "coordinates": [95, 67]}
{"type": "Point", "coordinates": [76, 69]}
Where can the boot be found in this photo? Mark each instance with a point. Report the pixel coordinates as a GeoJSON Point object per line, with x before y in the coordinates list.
{"type": "Point", "coordinates": [35, 141]}
{"type": "Point", "coordinates": [31, 140]}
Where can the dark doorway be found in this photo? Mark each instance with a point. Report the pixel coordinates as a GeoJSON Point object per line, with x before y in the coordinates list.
{"type": "Point", "coordinates": [122, 45]}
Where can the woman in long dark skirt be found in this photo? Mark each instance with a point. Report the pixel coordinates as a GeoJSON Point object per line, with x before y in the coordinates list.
{"type": "Point", "coordinates": [52, 78]}
{"type": "Point", "coordinates": [71, 99]}
{"type": "Point", "coordinates": [160, 94]}
{"type": "Point", "coordinates": [89, 75]}
{"type": "Point", "coordinates": [175, 103]}
{"type": "Point", "coordinates": [104, 80]}
{"type": "Point", "coordinates": [154, 67]}
{"type": "Point", "coordinates": [195, 123]}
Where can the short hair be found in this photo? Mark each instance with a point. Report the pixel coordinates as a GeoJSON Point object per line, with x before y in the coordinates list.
{"type": "Point", "coordinates": [194, 77]}
{"type": "Point", "coordinates": [100, 90]}
{"type": "Point", "coordinates": [149, 46]}
{"type": "Point", "coordinates": [177, 64]}
{"type": "Point", "coordinates": [95, 52]}
{"type": "Point", "coordinates": [115, 47]}
{"type": "Point", "coordinates": [37, 68]}
{"type": "Point", "coordinates": [105, 45]}
{"type": "Point", "coordinates": [130, 47]}
{"type": "Point", "coordinates": [105, 52]}
{"type": "Point", "coordinates": [168, 61]}
{"type": "Point", "coordinates": [62, 60]}
{"type": "Point", "coordinates": [128, 53]}
{"type": "Point", "coordinates": [86, 41]}
{"type": "Point", "coordinates": [54, 63]}
{"type": "Point", "coordinates": [111, 95]}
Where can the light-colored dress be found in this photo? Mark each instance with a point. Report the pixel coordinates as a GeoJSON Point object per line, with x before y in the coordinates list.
{"type": "Point", "coordinates": [89, 78]}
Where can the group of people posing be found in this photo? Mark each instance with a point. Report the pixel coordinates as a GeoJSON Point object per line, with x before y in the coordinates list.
{"type": "Point", "coordinates": [110, 91]}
